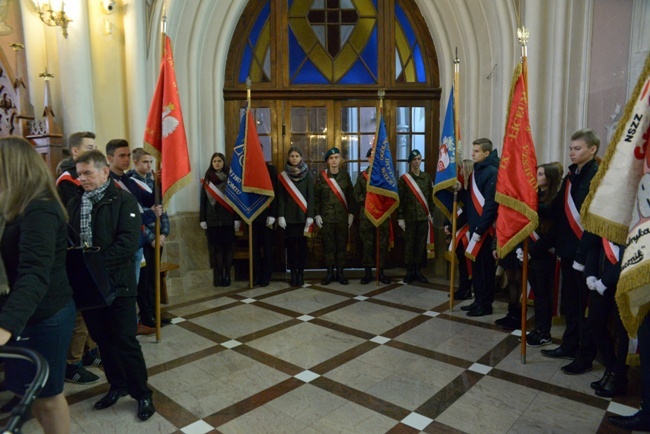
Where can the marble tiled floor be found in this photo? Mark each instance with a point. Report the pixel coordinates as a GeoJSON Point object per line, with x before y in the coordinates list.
{"type": "Point", "coordinates": [348, 359]}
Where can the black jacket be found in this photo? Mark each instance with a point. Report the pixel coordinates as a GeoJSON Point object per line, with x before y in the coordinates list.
{"type": "Point", "coordinates": [485, 176]}
{"type": "Point", "coordinates": [116, 230]}
{"type": "Point", "coordinates": [289, 209]}
{"type": "Point", "coordinates": [597, 264]}
{"type": "Point", "coordinates": [68, 189]}
{"type": "Point", "coordinates": [33, 250]}
{"type": "Point", "coordinates": [215, 215]}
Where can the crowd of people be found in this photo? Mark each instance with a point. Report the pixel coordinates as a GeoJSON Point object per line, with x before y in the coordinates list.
{"type": "Point", "coordinates": [97, 201]}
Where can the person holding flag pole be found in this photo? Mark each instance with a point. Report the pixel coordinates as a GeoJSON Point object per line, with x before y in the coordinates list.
{"type": "Point", "coordinates": [165, 139]}
{"type": "Point", "coordinates": [249, 190]}
{"type": "Point", "coordinates": [376, 192]}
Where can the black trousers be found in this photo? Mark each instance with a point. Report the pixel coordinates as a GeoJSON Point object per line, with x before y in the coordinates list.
{"type": "Point", "coordinates": [577, 337]}
{"type": "Point", "coordinates": [541, 276]}
{"type": "Point", "coordinates": [600, 309]}
{"type": "Point", "coordinates": [262, 251]}
{"type": "Point", "coordinates": [114, 328]}
{"type": "Point", "coordinates": [644, 353]}
{"type": "Point", "coordinates": [296, 244]}
{"type": "Point", "coordinates": [483, 274]}
{"type": "Point", "coordinates": [147, 284]}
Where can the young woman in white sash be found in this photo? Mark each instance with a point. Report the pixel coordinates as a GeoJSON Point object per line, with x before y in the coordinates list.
{"type": "Point", "coordinates": [296, 212]}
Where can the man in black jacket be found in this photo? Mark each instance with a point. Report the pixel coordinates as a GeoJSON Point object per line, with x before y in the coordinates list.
{"type": "Point", "coordinates": [108, 217]}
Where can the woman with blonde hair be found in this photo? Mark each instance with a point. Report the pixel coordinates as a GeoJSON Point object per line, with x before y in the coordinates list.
{"type": "Point", "coordinates": [36, 307]}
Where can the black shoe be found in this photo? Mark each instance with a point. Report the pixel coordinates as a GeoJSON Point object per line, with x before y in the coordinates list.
{"type": "Point", "coordinates": [409, 275]}
{"type": "Point", "coordinates": [300, 278]}
{"type": "Point", "coordinates": [596, 384]}
{"type": "Point", "coordinates": [577, 367]}
{"type": "Point", "coordinates": [216, 277]}
{"type": "Point", "coordinates": [558, 353]}
{"type": "Point", "coordinates": [382, 277]}
{"type": "Point", "coordinates": [419, 276]}
{"type": "Point", "coordinates": [509, 322]}
{"type": "Point", "coordinates": [92, 358]}
{"type": "Point", "coordinates": [636, 422]}
{"type": "Point", "coordinates": [225, 279]}
{"type": "Point", "coordinates": [145, 409]}
{"type": "Point", "coordinates": [367, 278]}
{"type": "Point", "coordinates": [537, 339]}
{"type": "Point", "coordinates": [294, 278]}
{"type": "Point", "coordinates": [329, 277]}
{"type": "Point", "coordinates": [469, 307]}
{"type": "Point", "coordinates": [151, 322]}
{"type": "Point", "coordinates": [612, 385]}
{"type": "Point", "coordinates": [110, 398]}
{"type": "Point", "coordinates": [340, 277]}
{"type": "Point", "coordinates": [480, 311]}
{"type": "Point", "coordinates": [462, 294]}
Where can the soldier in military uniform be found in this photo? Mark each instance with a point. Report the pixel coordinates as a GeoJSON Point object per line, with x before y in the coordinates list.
{"type": "Point", "coordinates": [414, 216]}
{"type": "Point", "coordinates": [368, 231]}
{"type": "Point", "coordinates": [334, 200]}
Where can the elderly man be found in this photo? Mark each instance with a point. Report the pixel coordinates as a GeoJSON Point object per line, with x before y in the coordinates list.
{"type": "Point", "coordinates": [108, 217]}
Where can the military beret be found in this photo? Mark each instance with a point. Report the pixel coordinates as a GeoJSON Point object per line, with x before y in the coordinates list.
{"type": "Point", "coordinates": [369, 153]}
{"type": "Point", "coordinates": [331, 151]}
{"type": "Point", "coordinates": [414, 153]}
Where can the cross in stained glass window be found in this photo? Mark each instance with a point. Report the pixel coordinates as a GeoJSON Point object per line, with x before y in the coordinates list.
{"type": "Point", "coordinates": [332, 16]}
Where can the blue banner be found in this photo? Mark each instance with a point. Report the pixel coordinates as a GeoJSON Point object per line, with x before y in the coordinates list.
{"type": "Point", "coordinates": [382, 196]}
{"type": "Point", "coordinates": [446, 173]}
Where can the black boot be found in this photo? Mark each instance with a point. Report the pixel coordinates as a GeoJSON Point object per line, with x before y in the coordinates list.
{"type": "Point", "coordinates": [612, 385]}
{"type": "Point", "coordinates": [225, 281]}
{"type": "Point", "coordinates": [596, 384]}
{"type": "Point", "coordinates": [512, 321]}
{"type": "Point", "coordinates": [340, 277]}
{"type": "Point", "coordinates": [367, 278]}
{"type": "Point", "coordinates": [409, 274]}
{"type": "Point", "coordinates": [216, 277]}
{"type": "Point", "coordinates": [300, 277]}
{"type": "Point", "coordinates": [329, 277]}
{"type": "Point", "coordinates": [294, 279]}
{"type": "Point", "coordinates": [382, 277]}
{"type": "Point", "coordinates": [417, 274]}
{"type": "Point", "coordinates": [462, 294]}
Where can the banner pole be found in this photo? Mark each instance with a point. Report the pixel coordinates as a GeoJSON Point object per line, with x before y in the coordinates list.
{"type": "Point", "coordinates": [250, 225]}
{"type": "Point", "coordinates": [454, 223]}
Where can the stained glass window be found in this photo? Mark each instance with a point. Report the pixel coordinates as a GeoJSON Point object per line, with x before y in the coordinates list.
{"type": "Point", "coordinates": [409, 65]}
{"type": "Point", "coordinates": [256, 60]}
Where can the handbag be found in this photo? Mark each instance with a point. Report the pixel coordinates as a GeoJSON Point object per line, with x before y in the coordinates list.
{"type": "Point", "coordinates": [88, 277]}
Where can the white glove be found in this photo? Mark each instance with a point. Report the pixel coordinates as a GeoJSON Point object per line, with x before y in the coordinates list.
{"type": "Point", "coordinates": [203, 225]}
{"type": "Point", "coordinates": [591, 282]}
{"type": "Point", "coordinates": [237, 225]}
{"type": "Point", "coordinates": [269, 221]}
{"type": "Point", "coordinates": [476, 237]}
{"type": "Point", "coordinates": [319, 221]}
{"type": "Point", "coordinates": [350, 219]}
{"type": "Point", "coordinates": [308, 223]}
{"type": "Point", "coordinates": [402, 224]}
{"type": "Point", "coordinates": [578, 266]}
{"type": "Point", "coordinates": [520, 254]}
{"type": "Point", "coordinates": [282, 222]}
{"type": "Point", "coordinates": [600, 287]}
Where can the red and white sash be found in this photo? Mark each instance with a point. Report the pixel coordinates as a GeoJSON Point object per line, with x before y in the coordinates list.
{"type": "Point", "coordinates": [612, 251]}
{"type": "Point", "coordinates": [217, 194]}
{"type": "Point", "coordinates": [120, 184]}
{"type": "Point", "coordinates": [415, 189]}
{"type": "Point", "coordinates": [67, 176]}
{"type": "Point", "coordinates": [479, 201]}
{"type": "Point", "coordinates": [572, 212]}
{"type": "Point", "coordinates": [336, 189]}
{"type": "Point", "coordinates": [142, 185]}
{"type": "Point", "coordinates": [297, 196]}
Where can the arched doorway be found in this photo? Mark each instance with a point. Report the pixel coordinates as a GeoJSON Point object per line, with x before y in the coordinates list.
{"type": "Point", "coordinates": [316, 67]}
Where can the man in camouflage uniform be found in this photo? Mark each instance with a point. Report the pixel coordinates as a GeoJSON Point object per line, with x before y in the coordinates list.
{"type": "Point", "coordinates": [413, 219]}
{"type": "Point", "coordinates": [334, 201]}
{"type": "Point", "coordinates": [368, 231]}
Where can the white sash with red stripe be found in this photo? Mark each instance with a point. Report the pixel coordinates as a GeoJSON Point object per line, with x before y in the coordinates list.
{"type": "Point", "coordinates": [479, 201]}
{"type": "Point", "coordinates": [142, 185]}
{"type": "Point", "coordinates": [612, 251]}
{"type": "Point", "coordinates": [336, 189]}
{"type": "Point", "coordinates": [425, 207]}
{"type": "Point", "coordinates": [125, 188]}
{"type": "Point", "coordinates": [217, 194]}
{"type": "Point", "coordinates": [297, 196]}
{"type": "Point", "coordinates": [67, 176]}
{"type": "Point", "coordinates": [572, 212]}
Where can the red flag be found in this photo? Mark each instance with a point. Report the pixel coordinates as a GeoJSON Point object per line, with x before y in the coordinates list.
{"type": "Point", "coordinates": [517, 178]}
{"type": "Point", "coordinates": [164, 135]}
{"type": "Point", "coordinates": [255, 175]}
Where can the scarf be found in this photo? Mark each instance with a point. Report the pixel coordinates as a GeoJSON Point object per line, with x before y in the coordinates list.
{"type": "Point", "coordinates": [217, 178]}
{"type": "Point", "coordinates": [4, 281]}
{"type": "Point", "coordinates": [88, 199]}
{"type": "Point", "coordinates": [296, 173]}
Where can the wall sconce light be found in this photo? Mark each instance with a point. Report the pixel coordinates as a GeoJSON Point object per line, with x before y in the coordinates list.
{"type": "Point", "coordinates": [107, 6]}
{"type": "Point", "coordinates": [51, 17]}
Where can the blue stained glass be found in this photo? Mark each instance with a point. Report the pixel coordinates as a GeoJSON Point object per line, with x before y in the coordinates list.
{"type": "Point", "coordinates": [259, 24]}
{"type": "Point", "coordinates": [374, 2]}
{"type": "Point", "coordinates": [406, 24]}
{"type": "Point", "coordinates": [309, 74]}
{"type": "Point", "coordinates": [358, 74]}
{"type": "Point", "coordinates": [419, 64]}
{"type": "Point", "coordinates": [369, 54]}
{"type": "Point", "coordinates": [296, 54]}
{"type": "Point", "coordinates": [245, 64]}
